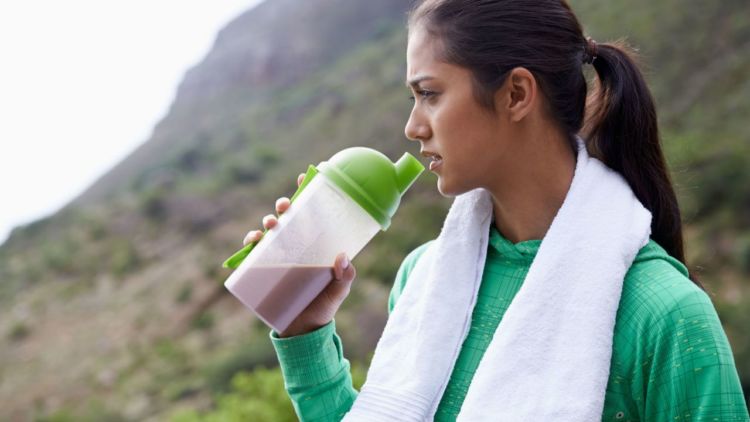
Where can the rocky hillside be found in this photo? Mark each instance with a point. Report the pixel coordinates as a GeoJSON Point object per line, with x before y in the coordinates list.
{"type": "Point", "coordinates": [114, 309]}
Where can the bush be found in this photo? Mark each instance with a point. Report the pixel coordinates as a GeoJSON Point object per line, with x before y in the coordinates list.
{"type": "Point", "coordinates": [256, 396]}
{"type": "Point", "coordinates": [204, 321]}
{"type": "Point", "coordinates": [184, 294]}
{"type": "Point", "coordinates": [266, 156]}
{"type": "Point", "coordinates": [19, 331]}
{"type": "Point", "coordinates": [724, 183]}
{"type": "Point", "coordinates": [743, 253]}
{"type": "Point", "coordinates": [219, 375]}
{"type": "Point", "coordinates": [94, 411]}
{"type": "Point", "coordinates": [124, 258]}
{"type": "Point", "coordinates": [152, 205]}
{"type": "Point", "coordinates": [58, 256]}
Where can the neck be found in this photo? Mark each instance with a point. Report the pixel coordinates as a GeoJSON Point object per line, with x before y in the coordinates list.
{"type": "Point", "coordinates": [534, 187]}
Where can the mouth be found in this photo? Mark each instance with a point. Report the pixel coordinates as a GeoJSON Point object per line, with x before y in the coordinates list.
{"type": "Point", "coordinates": [435, 159]}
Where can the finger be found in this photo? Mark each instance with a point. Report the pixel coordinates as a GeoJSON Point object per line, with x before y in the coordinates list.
{"type": "Point", "coordinates": [340, 287]}
{"type": "Point", "coordinates": [350, 273]}
{"type": "Point", "coordinates": [269, 221]}
{"type": "Point", "coordinates": [282, 204]}
{"type": "Point", "coordinates": [340, 266]}
{"type": "Point", "coordinates": [300, 178]}
{"type": "Point", "coordinates": [252, 236]}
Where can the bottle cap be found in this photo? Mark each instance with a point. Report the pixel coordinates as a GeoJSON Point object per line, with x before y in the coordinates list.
{"type": "Point", "coordinates": [372, 180]}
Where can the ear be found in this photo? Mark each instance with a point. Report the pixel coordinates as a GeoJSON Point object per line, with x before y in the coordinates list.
{"type": "Point", "coordinates": [518, 95]}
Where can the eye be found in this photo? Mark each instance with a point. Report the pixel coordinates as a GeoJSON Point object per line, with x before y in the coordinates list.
{"type": "Point", "coordinates": [423, 93]}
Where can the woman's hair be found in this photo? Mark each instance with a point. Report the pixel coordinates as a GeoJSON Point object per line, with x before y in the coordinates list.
{"type": "Point", "coordinates": [617, 119]}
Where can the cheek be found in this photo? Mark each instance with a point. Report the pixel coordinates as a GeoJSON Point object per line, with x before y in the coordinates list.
{"type": "Point", "coordinates": [473, 160]}
{"type": "Point", "coordinates": [467, 139]}
{"type": "Point", "coordinates": [461, 172]}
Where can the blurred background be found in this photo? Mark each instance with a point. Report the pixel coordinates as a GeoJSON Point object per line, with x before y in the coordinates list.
{"type": "Point", "coordinates": [132, 167]}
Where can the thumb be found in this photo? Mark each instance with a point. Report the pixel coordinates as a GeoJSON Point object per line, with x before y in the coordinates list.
{"type": "Point", "coordinates": [340, 265]}
{"type": "Point", "coordinates": [344, 273]}
{"type": "Point", "coordinates": [349, 273]}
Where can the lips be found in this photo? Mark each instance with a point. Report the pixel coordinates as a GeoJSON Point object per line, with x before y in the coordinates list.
{"type": "Point", "coordinates": [435, 159]}
{"type": "Point", "coordinates": [434, 164]}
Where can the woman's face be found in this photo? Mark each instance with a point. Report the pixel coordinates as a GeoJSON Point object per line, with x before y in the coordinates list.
{"type": "Point", "coordinates": [465, 140]}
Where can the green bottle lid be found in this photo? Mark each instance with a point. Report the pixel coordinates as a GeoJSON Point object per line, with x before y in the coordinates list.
{"type": "Point", "coordinates": [372, 180]}
{"type": "Point", "coordinates": [368, 177]}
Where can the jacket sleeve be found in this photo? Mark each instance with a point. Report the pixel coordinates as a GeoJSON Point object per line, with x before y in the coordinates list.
{"type": "Point", "coordinates": [317, 377]}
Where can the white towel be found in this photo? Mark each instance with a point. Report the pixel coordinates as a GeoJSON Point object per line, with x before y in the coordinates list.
{"type": "Point", "coordinates": [550, 356]}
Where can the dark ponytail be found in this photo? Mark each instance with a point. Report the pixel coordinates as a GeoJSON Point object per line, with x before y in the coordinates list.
{"type": "Point", "coordinates": [622, 131]}
{"type": "Point", "coordinates": [618, 119]}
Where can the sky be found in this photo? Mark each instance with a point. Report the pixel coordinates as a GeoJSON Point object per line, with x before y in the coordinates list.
{"type": "Point", "coordinates": [83, 83]}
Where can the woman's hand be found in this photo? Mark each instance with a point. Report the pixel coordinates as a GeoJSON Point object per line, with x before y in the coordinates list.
{"type": "Point", "coordinates": [322, 309]}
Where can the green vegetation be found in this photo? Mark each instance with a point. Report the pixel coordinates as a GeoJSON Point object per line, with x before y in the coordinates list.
{"type": "Point", "coordinates": [19, 331]}
{"type": "Point", "coordinates": [204, 321]}
{"type": "Point", "coordinates": [258, 395]}
{"type": "Point", "coordinates": [94, 411]}
{"type": "Point", "coordinates": [255, 396]}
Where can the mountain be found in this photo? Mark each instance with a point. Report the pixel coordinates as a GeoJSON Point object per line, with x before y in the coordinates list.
{"type": "Point", "coordinates": [114, 308]}
{"type": "Point", "coordinates": [276, 45]}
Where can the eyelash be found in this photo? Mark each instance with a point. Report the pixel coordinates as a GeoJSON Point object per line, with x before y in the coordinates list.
{"type": "Point", "coordinates": [422, 93]}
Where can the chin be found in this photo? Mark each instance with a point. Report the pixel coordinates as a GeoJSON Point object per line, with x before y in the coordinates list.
{"type": "Point", "coordinates": [449, 190]}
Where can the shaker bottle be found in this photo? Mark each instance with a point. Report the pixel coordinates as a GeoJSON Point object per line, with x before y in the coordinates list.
{"type": "Point", "coordinates": [340, 206]}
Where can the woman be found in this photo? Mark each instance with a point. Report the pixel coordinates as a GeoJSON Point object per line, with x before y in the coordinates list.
{"type": "Point", "coordinates": [608, 323]}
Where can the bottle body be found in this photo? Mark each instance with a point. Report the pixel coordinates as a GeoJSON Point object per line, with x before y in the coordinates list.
{"type": "Point", "coordinates": [293, 262]}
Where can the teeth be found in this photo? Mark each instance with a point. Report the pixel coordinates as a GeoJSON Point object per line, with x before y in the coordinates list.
{"type": "Point", "coordinates": [432, 156]}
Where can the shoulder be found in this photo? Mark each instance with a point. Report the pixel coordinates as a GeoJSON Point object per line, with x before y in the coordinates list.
{"type": "Point", "coordinates": [407, 265]}
{"type": "Point", "coordinates": [657, 286]}
{"type": "Point", "coordinates": [668, 337]}
{"type": "Point", "coordinates": [661, 309]}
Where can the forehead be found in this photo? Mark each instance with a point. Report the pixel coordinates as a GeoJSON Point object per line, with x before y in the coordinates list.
{"type": "Point", "coordinates": [423, 61]}
{"type": "Point", "coordinates": [421, 53]}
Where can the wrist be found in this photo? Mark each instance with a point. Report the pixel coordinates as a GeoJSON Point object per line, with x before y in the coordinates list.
{"type": "Point", "coordinates": [298, 330]}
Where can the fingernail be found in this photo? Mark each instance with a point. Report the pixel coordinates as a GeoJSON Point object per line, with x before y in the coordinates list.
{"type": "Point", "coordinates": [345, 262]}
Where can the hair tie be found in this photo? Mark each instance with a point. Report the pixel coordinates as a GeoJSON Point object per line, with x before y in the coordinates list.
{"type": "Point", "coordinates": [590, 51]}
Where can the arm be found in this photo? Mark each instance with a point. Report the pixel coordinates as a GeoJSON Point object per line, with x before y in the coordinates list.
{"type": "Point", "coordinates": [317, 377]}
{"type": "Point", "coordinates": [316, 374]}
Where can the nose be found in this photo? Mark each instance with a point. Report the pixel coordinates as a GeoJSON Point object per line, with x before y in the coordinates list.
{"type": "Point", "coordinates": [417, 128]}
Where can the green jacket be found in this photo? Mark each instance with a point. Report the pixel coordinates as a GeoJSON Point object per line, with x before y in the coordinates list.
{"type": "Point", "coordinates": [671, 360]}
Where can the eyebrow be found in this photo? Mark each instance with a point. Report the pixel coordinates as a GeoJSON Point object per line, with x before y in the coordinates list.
{"type": "Point", "coordinates": [415, 82]}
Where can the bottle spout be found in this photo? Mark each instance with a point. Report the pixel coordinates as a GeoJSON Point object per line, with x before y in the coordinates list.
{"type": "Point", "coordinates": [408, 169]}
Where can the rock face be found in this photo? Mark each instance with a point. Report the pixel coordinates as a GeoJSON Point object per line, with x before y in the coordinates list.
{"type": "Point", "coordinates": [277, 44]}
